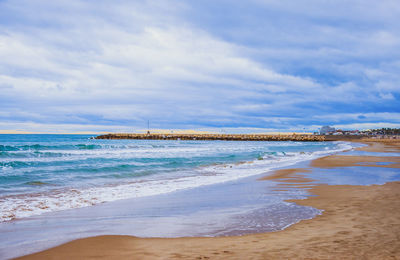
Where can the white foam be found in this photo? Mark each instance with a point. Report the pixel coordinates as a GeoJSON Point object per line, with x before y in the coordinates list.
{"type": "Point", "coordinates": [12, 207]}
{"type": "Point", "coordinates": [125, 153]}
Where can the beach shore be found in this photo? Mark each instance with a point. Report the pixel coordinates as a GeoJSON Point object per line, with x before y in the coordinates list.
{"type": "Point", "coordinates": [357, 222]}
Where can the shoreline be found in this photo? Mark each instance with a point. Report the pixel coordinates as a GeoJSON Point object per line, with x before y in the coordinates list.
{"type": "Point", "coordinates": [358, 221]}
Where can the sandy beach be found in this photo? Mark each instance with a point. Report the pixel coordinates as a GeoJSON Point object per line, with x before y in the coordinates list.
{"type": "Point", "coordinates": [358, 222]}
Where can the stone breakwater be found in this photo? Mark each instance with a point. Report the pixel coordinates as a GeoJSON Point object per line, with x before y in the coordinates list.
{"type": "Point", "coordinates": [225, 137]}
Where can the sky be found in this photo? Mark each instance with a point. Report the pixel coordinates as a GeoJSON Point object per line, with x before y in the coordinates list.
{"type": "Point", "coordinates": [247, 66]}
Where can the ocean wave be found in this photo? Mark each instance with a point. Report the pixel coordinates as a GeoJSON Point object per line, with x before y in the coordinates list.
{"type": "Point", "coordinates": [24, 205]}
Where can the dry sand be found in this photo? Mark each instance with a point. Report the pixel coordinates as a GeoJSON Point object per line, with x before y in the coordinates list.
{"type": "Point", "coordinates": [358, 222]}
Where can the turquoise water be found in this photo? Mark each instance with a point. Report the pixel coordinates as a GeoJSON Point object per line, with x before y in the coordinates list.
{"type": "Point", "coordinates": [45, 173]}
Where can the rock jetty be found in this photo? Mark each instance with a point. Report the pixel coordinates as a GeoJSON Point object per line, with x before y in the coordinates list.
{"type": "Point", "coordinates": [225, 137]}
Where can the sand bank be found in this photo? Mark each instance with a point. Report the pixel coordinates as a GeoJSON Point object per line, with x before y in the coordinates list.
{"type": "Point", "coordinates": [364, 161]}
{"type": "Point", "coordinates": [358, 222]}
{"type": "Point", "coordinates": [384, 146]}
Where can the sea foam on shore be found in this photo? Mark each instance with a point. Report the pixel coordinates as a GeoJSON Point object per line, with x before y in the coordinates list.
{"type": "Point", "coordinates": [49, 173]}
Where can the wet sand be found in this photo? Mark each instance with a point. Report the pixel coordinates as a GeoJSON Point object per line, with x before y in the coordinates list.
{"type": "Point", "coordinates": [335, 161]}
{"type": "Point", "coordinates": [290, 178]}
{"type": "Point", "coordinates": [384, 145]}
{"type": "Point", "coordinates": [380, 146]}
{"type": "Point", "coordinates": [358, 222]}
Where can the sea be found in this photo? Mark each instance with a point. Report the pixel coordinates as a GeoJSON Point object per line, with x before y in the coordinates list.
{"type": "Point", "coordinates": [47, 173]}
{"type": "Point", "coordinates": [57, 188]}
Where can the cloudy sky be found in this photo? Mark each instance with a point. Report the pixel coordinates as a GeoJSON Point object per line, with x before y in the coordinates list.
{"type": "Point", "coordinates": [281, 65]}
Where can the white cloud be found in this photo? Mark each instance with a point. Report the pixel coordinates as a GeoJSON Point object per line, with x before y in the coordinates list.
{"type": "Point", "coordinates": [395, 117]}
{"type": "Point", "coordinates": [103, 64]}
{"type": "Point", "coordinates": [364, 126]}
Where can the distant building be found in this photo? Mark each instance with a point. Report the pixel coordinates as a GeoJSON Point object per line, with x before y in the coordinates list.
{"type": "Point", "coordinates": [327, 130]}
